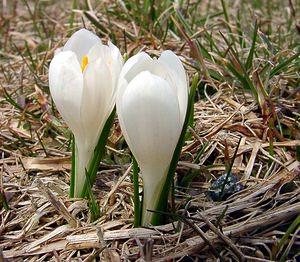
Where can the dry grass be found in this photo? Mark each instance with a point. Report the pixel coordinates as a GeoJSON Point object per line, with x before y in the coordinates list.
{"type": "Point", "coordinates": [43, 224]}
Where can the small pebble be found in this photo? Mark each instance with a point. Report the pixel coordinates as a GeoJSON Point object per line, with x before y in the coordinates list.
{"type": "Point", "coordinates": [232, 186]}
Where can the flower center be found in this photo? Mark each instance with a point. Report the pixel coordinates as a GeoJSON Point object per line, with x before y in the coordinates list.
{"type": "Point", "coordinates": [84, 62]}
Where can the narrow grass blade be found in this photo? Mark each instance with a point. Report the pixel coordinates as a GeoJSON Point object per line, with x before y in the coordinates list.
{"type": "Point", "coordinates": [190, 175]}
{"type": "Point", "coordinates": [240, 76]}
{"type": "Point", "coordinates": [224, 7]}
{"type": "Point", "coordinates": [225, 11]}
{"type": "Point", "coordinates": [213, 44]}
{"type": "Point", "coordinates": [98, 152]}
{"type": "Point", "coordinates": [186, 31]}
{"type": "Point", "coordinates": [95, 22]}
{"type": "Point", "coordinates": [252, 49]}
{"type": "Point", "coordinates": [33, 16]}
{"type": "Point", "coordinates": [185, 182]}
{"type": "Point", "coordinates": [163, 200]}
{"type": "Point", "coordinates": [243, 75]}
{"type": "Point", "coordinates": [41, 143]}
{"type": "Point", "coordinates": [221, 217]}
{"type": "Point", "coordinates": [195, 46]}
{"type": "Point", "coordinates": [4, 201]}
{"type": "Point", "coordinates": [239, 29]}
{"type": "Point", "coordinates": [290, 230]}
{"type": "Point", "coordinates": [297, 135]}
{"type": "Point", "coordinates": [229, 171]}
{"type": "Point", "coordinates": [271, 124]}
{"type": "Point", "coordinates": [28, 51]}
{"type": "Point", "coordinates": [10, 100]}
{"type": "Point", "coordinates": [71, 19]}
{"type": "Point", "coordinates": [283, 64]}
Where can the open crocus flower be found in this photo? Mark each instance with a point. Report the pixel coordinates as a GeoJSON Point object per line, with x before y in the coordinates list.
{"type": "Point", "coordinates": [83, 78]}
{"type": "Point", "coordinates": [151, 105]}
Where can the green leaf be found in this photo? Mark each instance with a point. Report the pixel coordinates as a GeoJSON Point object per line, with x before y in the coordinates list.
{"type": "Point", "coordinates": [72, 15]}
{"type": "Point", "coordinates": [187, 32]}
{"type": "Point", "coordinates": [243, 75]}
{"type": "Point", "coordinates": [283, 64]}
{"type": "Point", "coordinates": [224, 7]}
{"type": "Point", "coordinates": [4, 201]}
{"type": "Point", "coordinates": [8, 97]}
{"type": "Point", "coordinates": [95, 22]}
{"type": "Point", "coordinates": [239, 76]}
{"type": "Point", "coordinates": [94, 208]}
{"type": "Point", "coordinates": [190, 175]}
{"type": "Point", "coordinates": [251, 53]}
{"type": "Point", "coordinates": [290, 230]}
{"type": "Point", "coordinates": [136, 197]}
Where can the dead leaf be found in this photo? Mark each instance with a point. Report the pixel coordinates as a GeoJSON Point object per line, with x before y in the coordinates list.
{"type": "Point", "coordinates": [54, 164]}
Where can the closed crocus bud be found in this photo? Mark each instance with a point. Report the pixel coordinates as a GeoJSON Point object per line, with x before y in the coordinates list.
{"type": "Point", "coordinates": [151, 104]}
{"type": "Point", "coordinates": [83, 78]}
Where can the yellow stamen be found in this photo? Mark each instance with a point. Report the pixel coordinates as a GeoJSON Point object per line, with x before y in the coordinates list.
{"type": "Point", "coordinates": [84, 62]}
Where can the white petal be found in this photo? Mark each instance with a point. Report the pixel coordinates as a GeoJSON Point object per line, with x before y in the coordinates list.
{"type": "Point", "coordinates": [115, 64]}
{"type": "Point", "coordinates": [66, 85]}
{"type": "Point", "coordinates": [81, 42]}
{"type": "Point", "coordinates": [116, 57]}
{"type": "Point", "coordinates": [168, 67]}
{"type": "Point", "coordinates": [97, 98]}
{"type": "Point", "coordinates": [134, 65]}
{"type": "Point", "coordinates": [109, 55]}
{"type": "Point", "coordinates": [99, 51]}
{"type": "Point", "coordinates": [177, 73]}
{"type": "Point", "coordinates": [150, 119]}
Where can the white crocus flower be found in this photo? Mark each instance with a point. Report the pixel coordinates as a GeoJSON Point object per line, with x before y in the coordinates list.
{"type": "Point", "coordinates": [151, 104]}
{"type": "Point", "coordinates": [83, 78]}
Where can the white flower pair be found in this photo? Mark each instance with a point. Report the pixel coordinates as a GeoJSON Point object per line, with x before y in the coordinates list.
{"type": "Point", "coordinates": [87, 78]}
